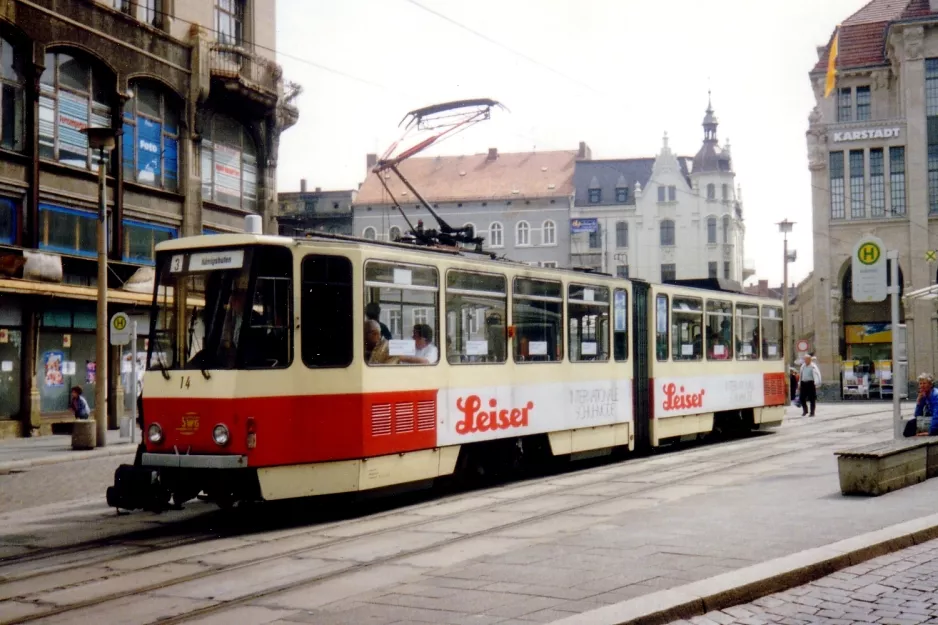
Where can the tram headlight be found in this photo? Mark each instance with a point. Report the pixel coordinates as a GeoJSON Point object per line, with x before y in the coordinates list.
{"type": "Point", "coordinates": [155, 433]}
{"type": "Point", "coordinates": [220, 434]}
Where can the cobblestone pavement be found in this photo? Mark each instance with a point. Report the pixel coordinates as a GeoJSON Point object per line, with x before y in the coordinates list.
{"type": "Point", "coordinates": [897, 589]}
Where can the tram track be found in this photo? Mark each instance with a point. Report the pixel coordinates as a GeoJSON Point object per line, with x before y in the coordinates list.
{"type": "Point", "coordinates": [644, 467]}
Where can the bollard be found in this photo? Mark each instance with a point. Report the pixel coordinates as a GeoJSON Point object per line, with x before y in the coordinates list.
{"type": "Point", "coordinates": [84, 435]}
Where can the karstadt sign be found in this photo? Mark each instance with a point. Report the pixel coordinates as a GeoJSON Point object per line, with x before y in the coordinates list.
{"type": "Point", "coordinates": [867, 133]}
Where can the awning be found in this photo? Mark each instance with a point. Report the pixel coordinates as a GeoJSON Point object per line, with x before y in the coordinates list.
{"type": "Point", "coordinates": [928, 293]}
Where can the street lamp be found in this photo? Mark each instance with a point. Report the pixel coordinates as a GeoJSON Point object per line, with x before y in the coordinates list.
{"type": "Point", "coordinates": [103, 140]}
{"type": "Point", "coordinates": [785, 227]}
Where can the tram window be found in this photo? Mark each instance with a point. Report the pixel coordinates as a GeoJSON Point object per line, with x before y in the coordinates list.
{"type": "Point", "coordinates": [268, 337]}
{"type": "Point", "coordinates": [411, 293]}
{"type": "Point", "coordinates": [747, 332]}
{"type": "Point", "coordinates": [588, 319]}
{"type": "Point", "coordinates": [620, 319]}
{"type": "Point", "coordinates": [537, 317]}
{"type": "Point", "coordinates": [686, 328]}
{"type": "Point", "coordinates": [661, 327]}
{"type": "Point", "coordinates": [326, 311]}
{"type": "Point", "coordinates": [719, 330]}
{"type": "Point", "coordinates": [476, 317]}
{"type": "Point", "coordinates": [771, 333]}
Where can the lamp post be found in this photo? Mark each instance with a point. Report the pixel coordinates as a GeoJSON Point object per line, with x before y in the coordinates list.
{"type": "Point", "coordinates": [785, 227]}
{"type": "Point", "coordinates": [103, 140]}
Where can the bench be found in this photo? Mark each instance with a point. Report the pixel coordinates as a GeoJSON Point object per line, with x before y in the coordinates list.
{"type": "Point", "coordinates": [884, 467]}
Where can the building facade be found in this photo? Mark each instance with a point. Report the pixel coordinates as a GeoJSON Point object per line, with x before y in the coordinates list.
{"type": "Point", "coordinates": [661, 218]}
{"type": "Point", "coordinates": [199, 103]}
{"type": "Point", "coordinates": [315, 211]}
{"type": "Point", "coordinates": [873, 157]}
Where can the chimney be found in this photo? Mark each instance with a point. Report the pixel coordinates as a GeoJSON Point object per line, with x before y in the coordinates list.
{"type": "Point", "coordinates": [493, 154]}
{"type": "Point", "coordinates": [302, 185]}
{"type": "Point", "coordinates": [370, 161]}
{"type": "Point", "coordinates": [584, 153]}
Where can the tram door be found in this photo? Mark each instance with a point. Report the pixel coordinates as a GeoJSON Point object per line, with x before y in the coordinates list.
{"type": "Point", "coordinates": [641, 399]}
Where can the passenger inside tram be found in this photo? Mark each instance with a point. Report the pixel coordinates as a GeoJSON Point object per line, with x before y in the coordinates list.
{"type": "Point", "coordinates": [376, 346]}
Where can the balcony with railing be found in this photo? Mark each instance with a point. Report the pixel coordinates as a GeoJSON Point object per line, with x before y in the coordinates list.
{"type": "Point", "coordinates": [243, 71]}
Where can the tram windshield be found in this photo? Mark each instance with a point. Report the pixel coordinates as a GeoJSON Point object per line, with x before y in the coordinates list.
{"type": "Point", "coordinates": [222, 309]}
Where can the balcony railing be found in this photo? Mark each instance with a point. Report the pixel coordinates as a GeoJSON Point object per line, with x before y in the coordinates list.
{"type": "Point", "coordinates": [235, 63]}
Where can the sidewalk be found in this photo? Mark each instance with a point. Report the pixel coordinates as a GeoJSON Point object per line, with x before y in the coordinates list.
{"type": "Point", "coordinates": [19, 453]}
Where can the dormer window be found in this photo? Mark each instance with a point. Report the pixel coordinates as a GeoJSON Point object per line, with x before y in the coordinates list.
{"type": "Point", "coordinates": [595, 196]}
{"type": "Point", "coordinates": [622, 195]}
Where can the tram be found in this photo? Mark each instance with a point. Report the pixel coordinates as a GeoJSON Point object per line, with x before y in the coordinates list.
{"type": "Point", "coordinates": [276, 384]}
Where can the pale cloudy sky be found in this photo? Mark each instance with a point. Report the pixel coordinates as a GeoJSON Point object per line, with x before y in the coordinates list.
{"type": "Point", "coordinates": [614, 73]}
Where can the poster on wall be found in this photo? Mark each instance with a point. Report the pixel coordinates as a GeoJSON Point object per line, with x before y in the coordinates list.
{"type": "Point", "coordinates": [227, 170]}
{"type": "Point", "coordinates": [90, 369]}
{"type": "Point", "coordinates": [4, 335]}
{"type": "Point", "coordinates": [148, 150]}
{"type": "Point", "coordinates": [52, 364]}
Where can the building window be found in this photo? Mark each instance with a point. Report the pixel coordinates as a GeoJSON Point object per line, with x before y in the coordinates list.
{"type": "Point", "coordinates": [622, 271]}
{"type": "Point", "coordinates": [622, 234]}
{"type": "Point", "coordinates": [68, 231]}
{"type": "Point", "coordinates": [549, 264]}
{"type": "Point", "coordinates": [857, 185]}
{"type": "Point", "coordinates": [72, 96]}
{"type": "Point", "coordinates": [667, 232]}
{"type": "Point", "coordinates": [863, 103]}
{"type": "Point", "coordinates": [712, 269]}
{"type": "Point", "coordinates": [877, 183]}
{"type": "Point", "coordinates": [596, 237]}
{"type": "Point", "coordinates": [394, 233]}
{"type": "Point", "coordinates": [726, 192]}
{"type": "Point", "coordinates": [496, 235]}
{"type": "Point", "coordinates": [931, 113]}
{"type": "Point", "coordinates": [369, 233]}
{"type": "Point", "coordinates": [7, 221]}
{"type": "Point", "coordinates": [668, 272]}
{"type": "Point", "coordinates": [726, 229]}
{"type": "Point", "coordinates": [897, 180]}
{"type": "Point", "coordinates": [522, 233]}
{"type": "Point", "coordinates": [726, 269]}
{"type": "Point", "coordinates": [844, 104]}
{"type": "Point", "coordinates": [595, 195]}
{"type": "Point", "coordinates": [711, 230]}
{"type": "Point", "coordinates": [837, 185]}
{"type": "Point", "coordinates": [140, 240]}
{"type": "Point", "coordinates": [229, 22]}
{"type": "Point", "coordinates": [229, 163]}
{"type": "Point", "coordinates": [622, 195]}
{"type": "Point", "coordinates": [549, 233]}
{"type": "Point", "coordinates": [661, 192]}
{"type": "Point", "coordinates": [121, 5]}
{"type": "Point", "coordinates": [151, 138]}
{"type": "Point", "coordinates": [711, 191]}
{"type": "Point", "coordinates": [672, 194]}
{"type": "Point", "coordinates": [12, 102]}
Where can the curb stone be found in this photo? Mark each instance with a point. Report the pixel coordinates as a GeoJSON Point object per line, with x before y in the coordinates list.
{"type": "Point", "coordinates": [748, 584]}
{"type": "Point", "coordinates": [70, 456]}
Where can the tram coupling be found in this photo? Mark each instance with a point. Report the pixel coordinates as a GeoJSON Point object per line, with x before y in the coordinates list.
{"type": "Point", "coordinates": [137, 488]}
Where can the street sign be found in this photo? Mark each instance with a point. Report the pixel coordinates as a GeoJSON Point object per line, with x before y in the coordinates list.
{"type": "Point", "coordinates": [120, 329]}
{"type": "Point", "coordinates": [802, 345]}
{"type": "Point", "coordinates": [869, 270]}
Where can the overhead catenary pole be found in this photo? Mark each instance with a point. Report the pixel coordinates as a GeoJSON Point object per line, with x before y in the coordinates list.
{"type": "Point", "coordinates": [785, 227]}
{"type": "Point", "coordinates": [100, 370]}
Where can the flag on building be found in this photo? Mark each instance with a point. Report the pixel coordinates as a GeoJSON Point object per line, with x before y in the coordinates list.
{"type": "Point", "coordinates": [831, 65]}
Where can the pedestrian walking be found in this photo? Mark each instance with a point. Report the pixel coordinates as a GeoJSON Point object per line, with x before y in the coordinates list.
{"type": "Point", "coordinates": [810, 376]}
{"type": "Point", "coordinates": [79, 404]}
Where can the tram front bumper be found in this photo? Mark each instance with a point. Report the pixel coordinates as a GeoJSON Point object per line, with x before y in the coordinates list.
{"type": "Point", "coordinates": [180, 461]}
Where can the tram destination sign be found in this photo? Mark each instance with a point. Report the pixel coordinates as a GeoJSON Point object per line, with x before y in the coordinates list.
{"type": "Point", "coordinates": [868, 266]}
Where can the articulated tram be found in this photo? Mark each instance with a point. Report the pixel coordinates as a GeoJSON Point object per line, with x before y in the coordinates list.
{"type": "Point", "coordinates": [283, 368]}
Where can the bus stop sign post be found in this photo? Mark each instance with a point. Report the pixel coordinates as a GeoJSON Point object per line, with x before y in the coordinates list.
{"type": "Point", "coordinates": [899, 368]}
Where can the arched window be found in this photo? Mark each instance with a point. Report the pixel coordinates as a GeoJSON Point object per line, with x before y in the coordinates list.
{"type": "Point", "coordinates": [394, 233]}
{"type": "Point", "coordinates": [622, 234]}
{"type": "Point", "coordinates": [369, 233]}
{"type": "Point", "coordinates": [151, 138]}
{"type": "Point", "coordinates": [229, 163]}
{"type": "Point", "coordinates": [469, 224]}
{"type": "Point", "coordinates": [12, 104]}
{"type": "Point", "coordinates": [711, 191]}
{"type": "Point", "coordinates": [726, 229]}
{"type": "Point", "coordinates": [73, 95]}
{"type": "Point", "coordinates": [667, 232]}
{"type": "Point", "coordinates": [549, 233]}
{"type": "Point", "coordinates": [522, 233]}
{"type": "Point", "coordinates": [711, 229]}
{"type": "Point", "coordinates": [495, 234]}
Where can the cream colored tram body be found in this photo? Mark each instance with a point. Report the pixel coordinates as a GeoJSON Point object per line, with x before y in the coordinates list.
{"type": "Point", "coordinates": [262, 389]}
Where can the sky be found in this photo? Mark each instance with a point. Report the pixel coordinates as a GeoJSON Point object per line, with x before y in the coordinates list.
{"type": "Point", "coordinates": [616, 74]}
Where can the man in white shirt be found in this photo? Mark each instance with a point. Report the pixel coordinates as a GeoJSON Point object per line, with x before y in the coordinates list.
{"type": "Point", "coordinates": [810, 376]}
{"type": "Point", "coordinates": [425, 352]}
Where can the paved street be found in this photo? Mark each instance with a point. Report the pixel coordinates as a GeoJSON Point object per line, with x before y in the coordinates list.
{"type": "Point", "coordinates": [897, 589]}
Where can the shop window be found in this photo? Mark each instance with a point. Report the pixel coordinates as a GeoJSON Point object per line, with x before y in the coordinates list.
{"type": "Point", "coordinates": [686, 328]}
{"type": "Point", "coordinates": [73, 94]}
{"type": "Point", "coordinates": [12, 97]}
{"type": "Point", "coordinates": [620, 319]}
{"type": "Point", "coordinates": [151, 138]}
{"type": "Point", "coordinates": [229, 163]}
{"type": "Point", "coordinates": [140, 240]}
{"type": "Point", "coordinates": [68, 231]}
{"type": "Point", "coordinates": [66, 355]}
{"type": "Point", "coordinates": [772, 333]}
{"type": "Point", "coordinates": [747, 332]}
{"type": "Point", "coordinates": [661, 328]}
{"type": "Point", "coordinates": [476, 315]}
{"type": "Point", "coordinates": [537, 316]}
{"type": "Point", "coordinates": [326, 311]}
{"type": "Point", "coordinates": [588, 319]}
{"type": "Point", "coordinates": [7, 221]}
{"type": "Point", "coordinates": [719, 330]}
{"type": "Point", "coordinates": [413, 292]}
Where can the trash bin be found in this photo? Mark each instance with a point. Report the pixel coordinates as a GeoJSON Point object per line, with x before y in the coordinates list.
{"type": "Point", "coordinates": [83, 434]}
